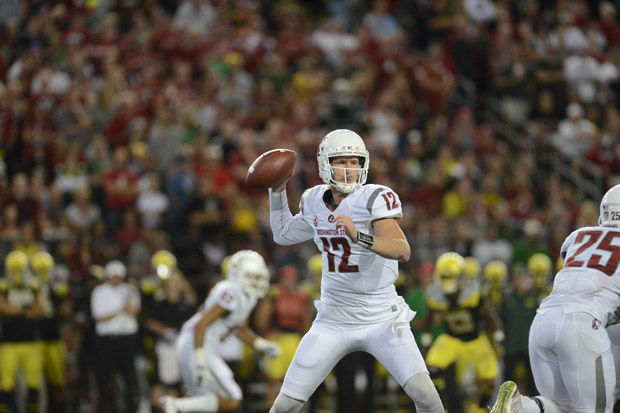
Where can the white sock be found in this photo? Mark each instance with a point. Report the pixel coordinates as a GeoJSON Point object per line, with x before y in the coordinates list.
{"type": "Point", "coordinates": [529, 405]}
{"type": "Point", "coordinates": [549, 405]}
{"type": "Point", "coordinates": [203, 403]}
{"type": "Point", "coordinates": [286, 404]}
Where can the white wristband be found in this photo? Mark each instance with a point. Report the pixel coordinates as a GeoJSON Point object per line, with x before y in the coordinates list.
{"type": "Point", "coordinates": [200, 356]}
{"type": "Point", "coordinates": [260, 344]}
{"type": "Point", "coordinates": [498, 336]}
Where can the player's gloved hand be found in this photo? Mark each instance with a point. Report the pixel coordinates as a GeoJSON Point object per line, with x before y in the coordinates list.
{"type": "Point", "coordinates": [270, 348]}
{"type": "Point", "coordinates": [499, 336]}
{"type": "Point", "coordinates": [426, 339]}
{"type": "Point", "coordinates": [498, 340]}
{"type": "Point", "coordinates": [202, 374]}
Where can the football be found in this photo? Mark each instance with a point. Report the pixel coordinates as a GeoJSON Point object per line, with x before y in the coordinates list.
{"type": "Point", "coordinates": [271, 169]}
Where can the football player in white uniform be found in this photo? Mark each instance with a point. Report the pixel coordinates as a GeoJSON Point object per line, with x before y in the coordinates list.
{"type": "Point", "coordinates": [614, 337]}
{"type": "Point", "coordinates": [355, 227]}
{"type": "Point", "coordinates": [569, 347]}
{"type": "Point", "coordinates": [208, 379]}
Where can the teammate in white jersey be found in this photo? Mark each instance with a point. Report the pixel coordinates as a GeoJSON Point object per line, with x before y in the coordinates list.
{"type": "Point", "coordinates": [355, 227]}
{"type": "Point", "coordinates": [208, 379]}
{"type": "Point", "coordinates": [569, 347]}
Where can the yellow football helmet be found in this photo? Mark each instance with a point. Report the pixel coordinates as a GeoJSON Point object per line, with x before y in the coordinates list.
{"type": "Point", "coordinates": [42, 264]}
{"type": "Point", "coordinates": [539, 265]}
{"type": "Point", "coordinates": [471, 270]}
{"type": "Point", "coordinates": [495, 271]}
{"type": "Point", "coordinates": [163, 263]}
{"type": "Point", "coordinates": [315, 265]}
{"type": "Point", "coordinates": [15, 264]}
{"type": "Point", "coordinates": [225, 265]}
{"type": "Point", "coordinates": [448, 268]}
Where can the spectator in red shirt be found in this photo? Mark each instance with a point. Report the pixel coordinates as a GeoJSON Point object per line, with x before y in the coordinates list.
{"type": "Point", "coordinates": [120, 186]}
{"type": "Point", "coordinates": [130, 232]}
{"type": "Point", "coordinates": [127, 117]}
{"type": "Point", "coordinates": [433, 78]}
{"type": "Point", "coordinates": [607, 23]}
{"type": "Point", "coordinates": [28, 207]}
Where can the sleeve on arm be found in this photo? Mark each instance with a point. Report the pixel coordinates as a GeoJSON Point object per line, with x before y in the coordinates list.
{"type": "Point", "coordinates": [567, 243]}
{"type": "Point", "coordinates": [287, 229]}
{"type": "Point", "coordinates": [384, 203]}
{"type": "Point", "coordinates": [98, 308]}
{"type": "Point", "coordinates": [137, 300]}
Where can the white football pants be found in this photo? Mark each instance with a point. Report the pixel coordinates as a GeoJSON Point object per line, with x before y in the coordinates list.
{"type": "Point", "coordinates": [390, 342]}
{"type": "Point", "coordinates": [223, 382]}
{"type": "Point", "coordinates": [572, 361]}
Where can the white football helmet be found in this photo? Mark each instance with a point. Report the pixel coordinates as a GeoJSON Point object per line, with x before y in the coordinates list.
{"type": "Point", "coordinates": [342, 142]}
{"type": "Point", "coordinates": [610, 208]}
{"type": "Point", "coordinates": [247, 269]}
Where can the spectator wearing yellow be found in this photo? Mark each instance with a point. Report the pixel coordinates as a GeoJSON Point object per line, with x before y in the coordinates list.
{"type": "Point", "coordinates": [456, 200]}
{"type": "Point", "coordinates": [21, 308]}
{"type": "Point", "coordinates": [539, 266]}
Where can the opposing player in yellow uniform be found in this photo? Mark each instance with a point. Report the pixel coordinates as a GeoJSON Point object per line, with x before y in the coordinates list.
{"type": "Point", "coordinates": [465, 312]}
{"type": "Point", "coordinates": [55, 308]}
{"type": "Point", "coordinates": [539, 266]}
{"type": "Point", "coordinates": [21, 307]}
{"type": "Point", "coordinates": [495, 277]}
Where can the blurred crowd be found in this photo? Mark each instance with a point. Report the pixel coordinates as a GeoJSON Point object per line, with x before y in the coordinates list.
{"type": "Point", "coordinates": [126, 127]}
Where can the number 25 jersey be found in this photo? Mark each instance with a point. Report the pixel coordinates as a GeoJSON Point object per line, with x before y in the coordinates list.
{"type": "Point", "coordinates": [352, 275]}
{"type": "Point", "coordinates": [590, 279]}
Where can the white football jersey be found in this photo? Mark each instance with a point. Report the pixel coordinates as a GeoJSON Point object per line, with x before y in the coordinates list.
{"type": "Point", "coordinates": [352, 275]}
{"type": "Point", "coordinates": [231, 297]}
{"type": "Point", "coordinates": [590, 279]}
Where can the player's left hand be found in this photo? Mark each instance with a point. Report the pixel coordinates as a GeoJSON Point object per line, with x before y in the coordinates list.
{"type": "Point", "coordinates": [202, 375]}
{"type": "Point", "coordinates": [348, 224]}
{"type": "Point", "coordinates": [270, 348]}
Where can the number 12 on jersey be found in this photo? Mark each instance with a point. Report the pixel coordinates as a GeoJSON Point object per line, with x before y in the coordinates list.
{"type": "Point", "coordinates": [338, 243]}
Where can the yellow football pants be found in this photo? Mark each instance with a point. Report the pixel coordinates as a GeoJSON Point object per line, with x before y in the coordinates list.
{"type": "Point", "coordinates": [55, 362]}
{"type": "Point", "coordinates": [27, 356]}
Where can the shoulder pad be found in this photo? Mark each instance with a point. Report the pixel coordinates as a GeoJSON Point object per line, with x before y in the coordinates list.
{"type": "Point", "coordinates": [469, 298]}
{"type": "Point", "coordinates": [148, 286]}
{"type": "Point", "coordinates": [436, 299]}
{"type": "Point", "coordinates": [4, 285]}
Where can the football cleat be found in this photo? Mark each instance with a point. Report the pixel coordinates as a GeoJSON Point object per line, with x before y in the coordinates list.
{"type": "Point", "coordinates": [167, 404]}
{"type": "Point", "coordinates": [508, 399]}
